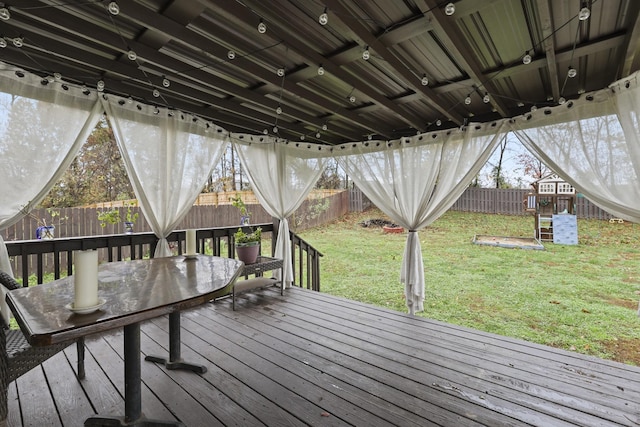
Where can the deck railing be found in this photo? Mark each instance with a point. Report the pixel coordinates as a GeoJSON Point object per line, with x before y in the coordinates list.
{"type": "Point", "coordinates": [40, 257]}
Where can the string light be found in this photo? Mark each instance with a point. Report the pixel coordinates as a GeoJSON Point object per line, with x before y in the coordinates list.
{"type": "Point", "coordinates": [318, 135]}
{"type": "Point", "coordinates": [165, 82]}
{"type": "Point", "coordinates": [113, 7]}
{"type": "Point", "coordinates": [231, 55]}
{"type": "Point", "coordinates": [425, 80]}
{"type": "Point", "coordinates": [450, 9]}
{"type": "Point", "coordinates": [130, 100]}
{"type": "Point", "coordinates": [132, 55]}
{"type": "Point", "coordinates": [321, 70]}
{"type": "Point", "coordinates": [352, 99]}
{"type": "Point", "coordinates": [526, 59]}
{"type": "Point", "coordinates": [438, 122]}
{"type": "Point", "coordinates": [266, 132]}
{"type": "Point", "coordinates": [366, 54]}
{"type": "Point", "coordinates": [584, 14]}
{"type": "Point", "coordinates": [323, 19]}
{"type": "Point", "coordinates": [57, 76]}
{"type": "Point", "coordinates": [5, 15]}
{"type": "Point", "coordinates": [156, 93]}
{"type": "Point", "coordinates": [100, 85]}
{"type": "Point", "coordinates": [486, 99]}
{"type": "Point", "coordinates": [301, 137]}
{"type": "Point", "coordinates": [3, 42]}
{"type": "Point", "coordinates": [467, 100]}
{"type": "Point", "coordinates": [369, 137]}
{"type": "Point", "coordinates": [280, 72]}
{"type": "Point", "coordinates": [534, 109]}
{"type": "Point", "coordinates": [275, 129]}
{"type": "Point", "coordinates": [561, 100]}
{"type": "Point", "coordinates": [572, 72]}
{"type": "Point", "coordinates": [18, 42]}
{"type": "Point", "coordinates": [325, 127]}
{"type": "Point", "coordinates": [262, 27]}
{"type": "Point", "coordinates": [279, 110]}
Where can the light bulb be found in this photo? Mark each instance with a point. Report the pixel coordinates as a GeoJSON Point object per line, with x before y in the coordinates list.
{"type": "Point", "coordinates": [156, 111]}
{"type": "Point", "coordinates": [584, 14]}
{"type": "Point", "coordinates": [369, 137]}
{"type": "Point", "coordinates": [572, 72]}
{"type": "Point", "coordinates": [280, 72]}
{"type": "Point", "coordinates": [3, 43]}
{"type": "Point", "coordinates": [100, 85]}
{"type": "Point", "coordinates": [50, 79]}
{"type": "Point", "coordinates": [129, 100]}
{"type": "Point", "coordinates": [352, 99]}
{"type": "Point", "coordinates": [323, 19]}
{"type": "Point", "coordinates": [366, 54]}
{"type": "Point", "coordinates": [526, 59]}
{"type": "Point", "coordinates": [18, 42]}
{"type": "Point", "coordinates": [320, 71]}
{"type": "Point", "coordinates": [279, 110]}
{"type": "Point", "coordinates": [450, 9]}
{"type": "Point", "coordinates": [275, 129]}
{"type": "Point", "coordinates": [166, 82]}
{"type": "Point", "coordinates": [301, 137]}
{"type": "Point", "coordinates": [467, 100]}
{"type": "Point", "coordinates": [325, 127]}
{"type": "Point", "coordinates": [156, 93]}
{"type": "Point", "coordinates": [266, 132]}
{"type": "Point", "coordinates": [318, 135]}
{"type": "Point", "coordinates": [5, 15]}
{"type": "Point", "coordinates": [113, 7]}
{"type": "Point", "coordinates": [132, 55]}
{"type": "Point", "coordinates": [57, 76]}
{"type": "Point", "coordinates": [231, 55]}
{"type": "Point", "coordinates": [438, 122]}
{"type": "Point", "coordinates": [534, 109]}
{"type": "Point", "coordinates": [486, 99]}
{"type": "Point", "coordinates": [561, 100]}
{"type": "Point", "coordinates": [262, 27]}
{"type": "Point", "coordinates": [425, 80]}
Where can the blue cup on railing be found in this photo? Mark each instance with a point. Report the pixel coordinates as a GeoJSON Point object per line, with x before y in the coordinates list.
{"type": "Point", "coordinates": [45, 232]}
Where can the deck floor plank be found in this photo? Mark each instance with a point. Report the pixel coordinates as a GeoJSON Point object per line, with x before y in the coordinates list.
{"type": "Point", "coordinates": [481, 370]}
{"type": "Point", "coordinates": [313, 359]}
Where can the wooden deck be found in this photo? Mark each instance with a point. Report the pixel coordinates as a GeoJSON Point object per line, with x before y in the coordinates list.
{"type": "Point", "coordinates": [312, 359]}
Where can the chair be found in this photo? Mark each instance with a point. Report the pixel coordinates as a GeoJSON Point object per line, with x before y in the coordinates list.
{"type": "Point", "coordinates": [18, 357]}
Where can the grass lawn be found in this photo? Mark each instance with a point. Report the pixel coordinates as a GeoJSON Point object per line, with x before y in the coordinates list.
{"type": "Point", "coordinates": [582, 298]}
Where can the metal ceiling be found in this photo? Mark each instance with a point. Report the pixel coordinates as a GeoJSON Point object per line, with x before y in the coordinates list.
{"type": "Point", "coordinates": [476, 51]}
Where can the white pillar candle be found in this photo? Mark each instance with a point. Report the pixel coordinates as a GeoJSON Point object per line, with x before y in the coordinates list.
{"type": "Point", "coordinates": [191, 242]}
{"type": "Point", "coordinates": [85, 279]}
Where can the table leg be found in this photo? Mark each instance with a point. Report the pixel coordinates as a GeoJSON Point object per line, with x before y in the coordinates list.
{"type": "Point", "coordinates": [175, 360]}
{"type": "Point", "coordinates": [132, 388]}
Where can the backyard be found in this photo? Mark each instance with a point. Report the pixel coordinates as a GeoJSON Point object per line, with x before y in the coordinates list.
{"type": "Point", "coordinates": [582, 298]}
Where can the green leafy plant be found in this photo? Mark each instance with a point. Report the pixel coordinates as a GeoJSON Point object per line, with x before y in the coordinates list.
{"type": "Point", "coordinates": [113, 216]}
{"type": "Point", "coordinates": [244, 213]}
{"type": "Point", "coordinates": [247, 239]}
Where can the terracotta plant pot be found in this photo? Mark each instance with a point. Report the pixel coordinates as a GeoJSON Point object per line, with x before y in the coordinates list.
{"type": "Point", "coordinates": [248, 253]}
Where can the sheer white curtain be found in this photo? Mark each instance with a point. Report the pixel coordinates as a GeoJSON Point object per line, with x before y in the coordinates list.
{"type": "Point", "coordinates": [281, 175]}
{"type": "Point", "coordinates": [588, 144]}
{"type": "Point", "coordinates": [168, 156]}
{"type": "Point", "coordinates": [42, 127]}
{"type": "Point", "coordinates": [415, 180]}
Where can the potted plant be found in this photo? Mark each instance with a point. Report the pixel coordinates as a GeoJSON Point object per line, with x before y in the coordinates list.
{"type": "Point", "coordinates": [112, 216]}
{"type": "Point", "coordinates": [247, 244]}
{"type": "Point", "coordinates": [244, 213]}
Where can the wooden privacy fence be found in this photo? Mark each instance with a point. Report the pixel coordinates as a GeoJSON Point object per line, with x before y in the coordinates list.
{"type": "Point", "coordinates": [510, 202]}
{"type": "Point", "coordinates": [77, 222]}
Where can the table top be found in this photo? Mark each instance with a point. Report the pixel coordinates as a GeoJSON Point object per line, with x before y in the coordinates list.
{"type": "Point", "coordinates": [134, 291]}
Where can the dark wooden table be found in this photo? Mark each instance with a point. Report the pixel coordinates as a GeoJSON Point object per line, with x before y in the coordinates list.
{"type": "Point", "coordinates": [134, 291]}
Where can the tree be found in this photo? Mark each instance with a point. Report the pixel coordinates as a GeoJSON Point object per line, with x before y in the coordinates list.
{"type": "Point", "coordinates": [97, 174]}
{"type": "Point", "coordinates": [532, 166]}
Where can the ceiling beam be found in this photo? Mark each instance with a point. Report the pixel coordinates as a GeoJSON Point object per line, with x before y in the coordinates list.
{"type": "Point", "coordinates": [411, 79]}
{"type": "Point", "coordinates": [462, 52]}
{"type": "Point", "coordinates": [272, 13]}
{"type": "Point", "coordinates": [549, 47]}
{"type": "Point", "coordinates": [631, 58]}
